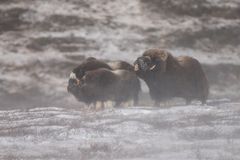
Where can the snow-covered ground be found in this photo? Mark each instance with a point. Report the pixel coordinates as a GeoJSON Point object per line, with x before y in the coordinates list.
{"type": "Point", "coordinates": [173, 133]}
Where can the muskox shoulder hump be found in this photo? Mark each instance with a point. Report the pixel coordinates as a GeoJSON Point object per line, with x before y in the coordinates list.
{"type": "Point", "coordinates": [124, 74]}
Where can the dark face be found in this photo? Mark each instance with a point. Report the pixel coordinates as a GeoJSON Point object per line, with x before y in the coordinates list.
{"type": "Point", "coordinates": [75, 80]}
{"type": "Point", "coordinates": [76, 87]}
{"type": "Point", "coordinates": [145, 64]}
{"type": "Point", "coordinates": [72, 86]}
{"type": "Point", "coordinates": [79, 72]}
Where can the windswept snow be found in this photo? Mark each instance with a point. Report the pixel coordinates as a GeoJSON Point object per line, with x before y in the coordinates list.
{"type": "Point", "coordinates": [180, 132]}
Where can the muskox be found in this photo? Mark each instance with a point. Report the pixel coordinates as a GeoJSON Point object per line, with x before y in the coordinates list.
{"type": "Point", "coordinates": [168, 76]}
{"type": "Point", "coordinates": [103, 85]}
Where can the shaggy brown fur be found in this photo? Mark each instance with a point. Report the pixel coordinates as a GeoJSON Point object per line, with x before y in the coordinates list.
{"type": "Point", "coordinates": [92, 63]}
{"type": "Point", "coordinates": [120, 65]}
{"type": "Point", "coordinates": [103, 84]}
{"type": "Point", "coordinates": [89, 64]}
{"type": "Point", "coordinates": [168, 76]}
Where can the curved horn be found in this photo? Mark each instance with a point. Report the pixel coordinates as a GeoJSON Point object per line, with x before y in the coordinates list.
{"type": "Point", "coordinates": [73, 76]}
{"type": "Point", "coordinates": [136, 67]}
{"type": "Point", "coordinates": [153, 67]}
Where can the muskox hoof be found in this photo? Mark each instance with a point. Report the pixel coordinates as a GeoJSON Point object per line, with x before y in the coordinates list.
{"type": "Point", "coordinates": [156, 104]}
{"type": "Point", "coordinates": [204, 102]}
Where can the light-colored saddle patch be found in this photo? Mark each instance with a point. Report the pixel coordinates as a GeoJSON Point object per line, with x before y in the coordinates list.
{"type": "Point", "coordinates": [73, 76]}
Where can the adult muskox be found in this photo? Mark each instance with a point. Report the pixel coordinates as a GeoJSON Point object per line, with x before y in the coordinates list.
{"type": "Point", "coordinates": [168, 76]}
{"type": "Point", "coordinates": [103, 85]}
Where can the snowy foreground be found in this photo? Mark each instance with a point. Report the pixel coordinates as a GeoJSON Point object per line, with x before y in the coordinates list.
{"type": "Point", "coordinates": [173, 133]}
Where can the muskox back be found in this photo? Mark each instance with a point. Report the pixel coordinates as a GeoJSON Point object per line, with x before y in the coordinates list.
{"type": "Point", "coordinates": [89, 64]}
{"type": "Point", "coordinates": [116, 65]}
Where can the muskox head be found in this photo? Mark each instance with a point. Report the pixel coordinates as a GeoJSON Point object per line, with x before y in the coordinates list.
{"type": "Point", "coordinates": [80, 88]}
{"type": "Point", "coordinates": [73, 84]}
{"type": "Point", "coordinates": [78, 73]}
{"type": "Point", "coordinates": [152, 60]}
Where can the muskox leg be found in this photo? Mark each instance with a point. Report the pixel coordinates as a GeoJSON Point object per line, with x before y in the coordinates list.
{"type": "Point", "coordinates": [117, 105]}
{"type": "Point", "coordinates": [89, 106]}
{"type": "Point", "coordinates": [156, 104]}
{"type": "Point", "coordinates": [109, 103]}
{"type": "Point", "coordinates": [135, 101]}
{"type": "Point", "coordinates": [102, 105]}
{"type": "Point", "coordinates": [92, 106]}
{"type": "Point", "coordinates": [204, 101]}
{"type": "Point", "coordinates": [188, 101]}
{"type": "Point", "coordinates": [166, 103]}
